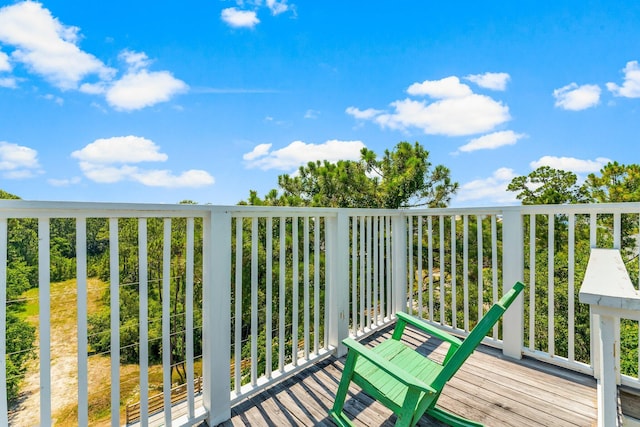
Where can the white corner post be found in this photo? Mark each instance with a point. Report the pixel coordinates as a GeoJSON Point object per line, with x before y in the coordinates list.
{"type": "Point", "coordinates": [607, 384]}
{"type": "Point", "coordinates": [611, 296]}
{"type": "Point", "coordinates": [216, 316]}
{"type": "Point", "coordinates": [337, 286]}
{"type": "Point", "coordinates": [512, 272]}
{"type": "Point", "coordinates": [399, 262]}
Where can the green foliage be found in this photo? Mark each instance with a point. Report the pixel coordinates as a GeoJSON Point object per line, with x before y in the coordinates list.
{"type": "Point", "coordinates": [129, 289]}
{"type": "Point", "coordinates": [19, 338]}
{"type": "Point", "coordinates": [546, 185]}
{"type": "Point", "coordinates": [401, 178]}
{"type": "Point", "coordinates": [292, 284]}
{"type": "Point", "coordinates": [5, 195]}
{"type": "Point", "coordinates": [629, 342]}
{"type": "Point", "coordinates": [615, 183]}
{"type": "Point", "coordinates": [21, 276]}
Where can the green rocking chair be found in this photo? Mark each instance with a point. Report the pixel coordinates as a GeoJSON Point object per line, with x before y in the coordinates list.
{"type": "Point", "coordinates": [405, 381]}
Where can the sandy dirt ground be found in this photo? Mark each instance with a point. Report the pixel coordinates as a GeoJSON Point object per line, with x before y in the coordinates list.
{"type": "Point", "coordinates": [64, 373]}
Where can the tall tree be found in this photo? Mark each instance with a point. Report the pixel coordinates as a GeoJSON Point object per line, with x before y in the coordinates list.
{"type": "Point", "coordinates": [548, 186]}
{"type": "Point", "coordinates": [402, 178]}
{"type": "Point", "coordinates": [617, 183]}
{"type": "Point", "coordinates": [545, 185]}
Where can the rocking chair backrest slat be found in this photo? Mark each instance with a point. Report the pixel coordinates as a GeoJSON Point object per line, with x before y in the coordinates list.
{"type": "Point", "coordinates": [476, 336]}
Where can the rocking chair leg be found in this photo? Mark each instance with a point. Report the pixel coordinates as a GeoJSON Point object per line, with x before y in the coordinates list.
{"type": "Point", "coordinates": [339, 417]}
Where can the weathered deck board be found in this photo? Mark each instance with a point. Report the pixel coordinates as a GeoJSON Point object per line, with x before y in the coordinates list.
{"type": "Point", "coordinates": [489, 388]}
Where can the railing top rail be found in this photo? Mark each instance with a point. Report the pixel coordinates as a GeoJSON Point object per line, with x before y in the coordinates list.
{"type": "Point", "coordinates": [581, 208]}
{"type": "Point", "coordinates": [52, 209]}
{"type": "Point", "coordinates": [249, 211]}
{"type": "Point", "coordinates": [454, 211]}
{"type": "Point", "coordinates": [277, 211]}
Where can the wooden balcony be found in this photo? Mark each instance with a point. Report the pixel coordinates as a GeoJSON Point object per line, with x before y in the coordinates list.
{"type": "Point", "coordinates": [275, 290]}
{"type": "Point", "coordinates": [489, 388]}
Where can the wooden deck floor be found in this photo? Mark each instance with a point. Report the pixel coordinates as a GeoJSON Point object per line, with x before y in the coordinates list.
{"type": "Point", "coordinates": [489, 388]}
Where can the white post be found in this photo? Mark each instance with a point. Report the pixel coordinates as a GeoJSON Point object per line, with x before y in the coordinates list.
{"type": "Point", "coordinates": [608, 291]}
{"type": "Point", "coordinates": [607, 387]}
{"type": "Point", "coordinates": [44, 317]}
{"type": "Point", "coordinates": [114, 305]}
{"type": "Point", "coordinates": [337, 286]}
{"type": "Point", "coordinates": [81, 286]}
{"type": "Point", "coordinates": [512, 271]}
{"type": "Point", "coordinates": [594, 320]}
{"type": "Point", "coordinates": [399, 262]}
{"type": "Point", "coordinates": [216, 315]}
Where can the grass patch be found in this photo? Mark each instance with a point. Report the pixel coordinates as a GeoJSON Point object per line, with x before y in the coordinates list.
{"type": "Point", "coordinates": [31, 311]}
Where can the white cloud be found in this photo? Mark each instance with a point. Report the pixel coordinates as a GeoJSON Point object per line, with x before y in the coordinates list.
{"type": "Point", "coordinates": [54, 98]}
{"type": "Point", "coordinates": [164, 178]}
{"type": "Point", "coordinates": [259, 150]}
{"type": "Point", "coordinates": [237, 18]}
{"type": "Point", "coordinates": [299, 153]}
{"type": "Point", "coordinates": [17, 161]}
{"type": "Point", "coordinates": [139, 89]}
{"type": "Point", "coordinates": [631, 86]}
{"type": "Point", "coordinates": [135, 60]}
{"type": "Point", "coordinates": [367, 114]}
{"type": "Point", "coordinates": [21, 174]}
{"type": "Point", "coordinates": [50, 49]}
{"type": "Point", "coordinates": [487, 191]}
{"type": "Point", "coordinates": [575, 98]}
{"type": "Point", "coordinates": [120, 149]}
{"type": "Point", "coordinates": [46, 46]}
{"type": "Point", "coordinates": [106, 174]}
{"type": "Point", "coordinates": [311, 114]}
{"type": "Point", "coordinates": [8, 82]}
{"type": "Point", "coordinates": [14, 156]}
{"type": "Point", "coordinates": [151, 178]}
{"type": "Point", "coordinates": [5, 65]}
{"type": "Point", "coordinates": [64, 182]}
{"type": "Point", "coordinates": [452, 117]}
{"type": "Point", "coordinates": [109, 160]}
{"type": "Point", "coordinates": [277, 7]}
{"type": "Point", "coordinates": [492, 141]}
{"type": "Point", "coordinates": [493, 81]}
{"type": "Point", "coordinates": [98, 88]}
{"type": "Point", "coordinates": [246, 14]}
{"type": "Point", "coordinates": [456, 110]}
{"type": "Point", "coordinates": [449, 87]}
{"type": "Point", "coordinates": [98, 107]}
{"type": "Point", "coordinates": [570, 164]}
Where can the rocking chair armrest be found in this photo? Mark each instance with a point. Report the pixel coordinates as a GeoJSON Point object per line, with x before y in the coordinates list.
{"type": "Point", "coordinates": [429, 329]}
{"type": "Point", "coordinates": [388, 367]}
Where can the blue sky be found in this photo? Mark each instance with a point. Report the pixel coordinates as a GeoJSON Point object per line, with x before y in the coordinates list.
{"type": "Point", "coordinates": [163, 101]}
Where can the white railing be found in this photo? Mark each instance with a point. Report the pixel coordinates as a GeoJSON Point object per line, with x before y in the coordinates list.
{"type": "Point", "coordinates": [52, 386]}
{"type": "Point", "coordinates": [611, 296]}
{"type": "Point", "coordinates": [279, 320]}
{"type": "Point", "coordinates": [257, 294]}
{"type": "Point", "coordinates": [446, 289]}
{"type": "Point", "coordinates": [459, 263]}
